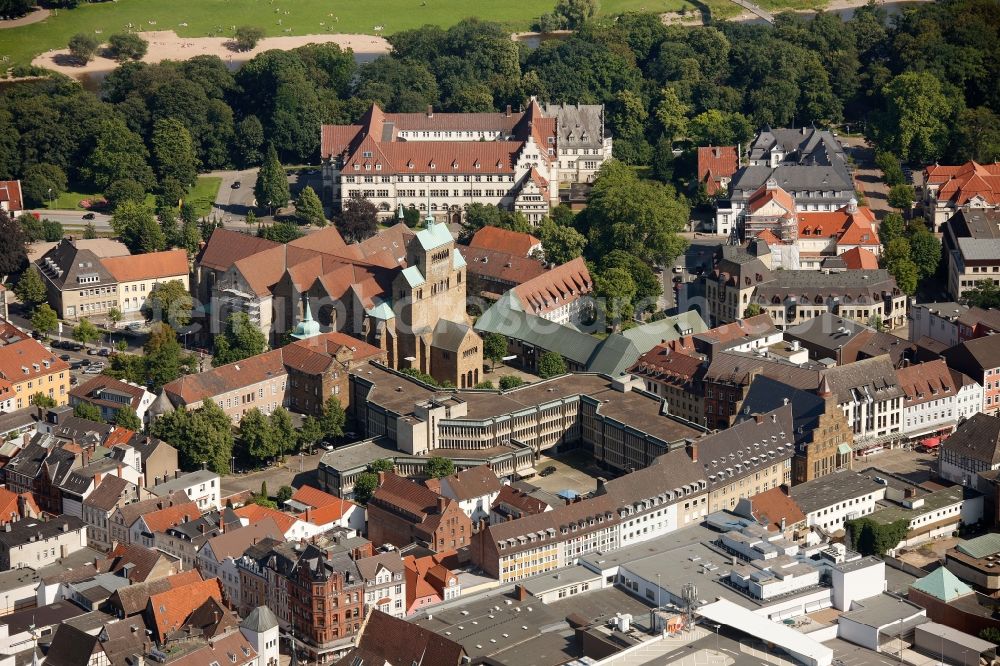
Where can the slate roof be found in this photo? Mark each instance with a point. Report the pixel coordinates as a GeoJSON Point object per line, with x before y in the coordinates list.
{"type": "Point", "coordinates": [980, 354]}
{"type": "Point", "coordinates": [259, 620]}
{"type": "Point", "coordinates": [793, 178]}
{"type": "Point", "coordinates": [369, 566]}
{"type": "Point", "coordinates": [873, 376]}
{"type": "Point", "coordinates": [578, 125]}
{"type": "Point", "coordinates": [942, 584]}
{"type": "Point", "coordinates": [22, 531]}
{"type": "Point", "coordinates": [832, 489]}
{"type": "Point", "coordinates": [234, 542]}
{"type": "Point", "coordinates": [766, 394]}
{"type": "Point", "coordinates": [71, 647]}
{"type": "Point", "coordinates": [64, 264]}
{"type": "Point", "coordinates": [977, 438]}
{"type": "Point", "coordinates": [107, 494]}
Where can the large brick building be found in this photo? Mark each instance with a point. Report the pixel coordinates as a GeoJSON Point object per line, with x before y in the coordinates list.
{"type": "Point", "coordinates": [401, 512]}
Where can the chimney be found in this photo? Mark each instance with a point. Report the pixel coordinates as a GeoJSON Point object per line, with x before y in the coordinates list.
{"type": "Point", "coordinates": [97, 478]}
{"type": "Point", "coordinates": [759, 418]}
{"type": "Point", "coordinates": [308, 514]}
{"type": "Point", "coordinates": [522, 594]}
{"type": "Point", "coordinates": [774, 418]}
{"type": "Point", "coordinates": [442, 503]}
{"type": "Point", "coordinates": [600, 485]}
{"type": "Point", "coordinates": [909, 492]}
{"type": "Point", "coordinates": [65, 527]}
{"type": "Point", "coordinates": [507, 112]}
{"type": "Point", "coordinates": [430, 111]}
{"type": "Point", "coordinates": [782, 524]}
{"type": "Point", "coordinates": [692, 450]}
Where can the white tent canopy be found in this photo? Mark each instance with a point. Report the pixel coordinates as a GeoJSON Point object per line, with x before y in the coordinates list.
{"type": "Point", "coordinates": [801, 647]}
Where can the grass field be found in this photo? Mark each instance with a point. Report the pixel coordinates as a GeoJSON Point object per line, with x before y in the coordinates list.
{"type": "Point", "coordinates": [201, 197]}
{"type": "Point", "coordinates": [203, 18]}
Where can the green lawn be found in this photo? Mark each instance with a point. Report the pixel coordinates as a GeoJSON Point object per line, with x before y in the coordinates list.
{"type": "Point", "coordinates": [201, 196]}
{"type": "Point", "coordinates": [201, 18]}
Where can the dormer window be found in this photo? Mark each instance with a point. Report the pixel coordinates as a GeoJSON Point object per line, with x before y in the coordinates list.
{"type": "Point", "coordinates": [476, 165]}
{"type": "Point", "coordinates": [378, 166]}
{"type": "Point", "coordinates": [433, 165]}
{"type": "Point", "coordinates": [409, 165]}
{"type": "Point", "coordinates": [454, 165]}
{"type": "Point", "coordinates": [366, 153]}
{"type": "Point", "coordinates": [357, 167]}
{"type": "Point", "coordinates": [368, 167]}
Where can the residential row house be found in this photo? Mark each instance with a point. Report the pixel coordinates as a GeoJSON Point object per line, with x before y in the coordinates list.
{"type": "Point", "coordinates": [979, 359]}
{"type": "Point", "coordinates": [937, 398]}
{"type": "Point", "coordinates": [869, 394]}
{"type": "Point", "coordinates": [971, 243]}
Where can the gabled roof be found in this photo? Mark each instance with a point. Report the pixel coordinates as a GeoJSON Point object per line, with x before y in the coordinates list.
{"type": "Point", "coordinates": [767, 193]}
{"type": "Point", "coordinates": [924, 382]}
{"type": "Point", "coordinates": [10, 194]}
{"type": "Point", "coordinates": [504, 240]}
{"type": "Point", "coordinates": [193, 389]}
{"type": "Point", "coordinates": [858, 258]}
{"type": "Point", "coordinates": [942, 584]}
{"type": "Point", "coordinates": [388, 640]}
{"type": "Point", "coordinates": [502, 266]}
{"type": "Point", "coordinates": [472, 482]}
{"type": "Point", "coordinates": [716, 163]}
{"type": "Point", "coordinates": [555, 288]}
{"type": "Point", "coordinates": [107, 494]}
{"type": "Point", "coordinates": [28, 359]}
{"type": "Point", "coordinates": [256, 513]}
{"type": "Point", "coordinates": [225, 247]}
{"type": "Point", "coordinates": [397, 492]}
{"type": "Point", "coordinates": [774, 507]}
{"type": "Point", "coordinates": [171, 516]}
{"type": "Point", "coordinates": [958, 184]}
{"type": "Point", "coordinates": [154, 265]}
{"type": "Point", "coordinates": [234, 542]}
{"type": "Point", "coordinates": [170, 609]}
{"type": "Point", "coordinates": [314, 497]}
{"type": "Point", "coordinates": [92, 390]}
{"type": "Point", "coordinates": [978, 439]}
{"type": "Point", "coordinates": [875, 377]}
{"type": "Point", "coordinates": [66, 263]}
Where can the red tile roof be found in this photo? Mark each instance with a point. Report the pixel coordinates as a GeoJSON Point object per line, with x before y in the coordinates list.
{"type": "Point", "coordinates": [170, 263]}
{"type": "Point", "coordinates": [849, 228]}
{"type": "Point", "coordinates": [256, 513]}
{"type": "Point", "coordinates": [171, 608]}
{"type": "Point", "coordinates": [959, 184]}
{"type": "Point", "coordinates": [18, 361]}
{"type": "Point", "coordinates": [662, 362]}
{"type": "Point", "coordinates": [714, 164]}
{"type": "Point", "coordinates": [858, 258]}
{"type": "Point", "coordinates": [520, 500]}
{"type": "Point", "coordinates": [765, 195]}
{"type": "Point", "coordinates": [502, 266]}
{"type": "Point", "coordinates": [768, 237]}
{"type": "Point", "coordinates": [314, 497]}
{"type": "Point", "coordinates": [171, 516]}
{"type": "Point", "coordinates": [923, 382]}
{"type": "Point", "coordinates": [414, 498]}
{"type": "Point", "coordinates": [328, 514]}
{"type": "Point", "coordinates": [10, 194]}
{"type": "Point", "coordinates": [193, 389]}
{"type": "Point", "coordinates": [504, 240]}
{"type": "Point", "coordinates": [772, 506]}
{"type": "Point", "coordinates": [225, 248]}
{"type": "Point", "coordinates": [89, 390]}
{"type": "Point", "coordinates": [555, 288]}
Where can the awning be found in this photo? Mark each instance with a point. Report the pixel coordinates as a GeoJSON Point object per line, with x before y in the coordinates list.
{"type": "Point", "coordinates": [931, 442]}
{"type": "Point", "coordinates": [805, 650]}
{"type": "Point", "coordinates": [843, 448]}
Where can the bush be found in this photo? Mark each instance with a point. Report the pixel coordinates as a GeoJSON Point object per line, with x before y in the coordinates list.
{"type": "Point", "coordinates": [508, 382]}
{"type": "Point", "coordinates": [83, 47]}
{"type": "Point", "coordinates": [247, 36]}
{"type": "Point", "coordinates": [284, 494]}
{"type": "Point", "coordinates": [127, 46]}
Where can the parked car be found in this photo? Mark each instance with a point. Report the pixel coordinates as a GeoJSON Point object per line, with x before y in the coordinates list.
{"type": "Point", "coordinates": [65, 357]}
{"type": "Point", "coordinates": [104, 351]}
{"type": "Point", "coordinates": [94, 370]}
{"type": "Point", "coordinates": [76, 365]}
{"type": "Point", "coordinates": [93, 351]}
{"type": "Point", "coordinates": [89, 216]}
{"type": "Point", "coordinates": [547, 471]}
{"type": "Point", "coordinates": [73, 381]}
{"type": "Point", "coordinates": [678, 269]}
{"type": "Point", "coordinates": [678, 278]}
{"type": "Point", "coordinates": [74, 346]}
{"type": "Point", "coordinates": [237, 185]}
{"type": "Point", "coordinates": [134, 326]}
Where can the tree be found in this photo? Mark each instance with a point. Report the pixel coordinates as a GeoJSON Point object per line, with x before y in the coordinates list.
{"type": "Point", "coordinates": [83, 47]}
{"type": "Point", "coordinates": [126, 190]}
{"type": "Point", "coordinates": [30, 289]}
{"type": "Point", "coordinates": [494, 348]}
{"type": "Point", "coordinates": [85, 332]}
{"type": "Point", "coordinates": [364, 487]}
{"type": "Point", "coordinates": [257, 435]}
{"type": "Point", "coordinates": [914, 124]}
{"type": "Point", "coordinates": [173, 153]}
{"type": "Point", "coordinates": [906, 274]}
{"type": "Point", "coordinates": [874, 321]}
{"type": "Point", "coordinates": [283, 431]}
{"type": "Point", "coordinates": [381, 465]}
{"type": "Point", "coordinates": [897, 250]}
{"type": "Point", "coordinates": [719, 128]}
{"type": "Point", "coordinates": [641, 217]}
{"type": "Point", "coordinates": [438, 467]}
{"type": "Point", "coordinates": [239, 340]}
{"type": "Point", "coordinates": [892, 172]}
{"type": "Point", "coordinates": [163, 357]}
{"type": "Point", "coordinates": [260, 500]}
{"type": "Point", "coordinates": [891, 227]}
{"type": "Point", "coordinates": [44, 319]}
{"type": "Point", "coordinates": [201, 436]}
{"type": "Point", "coordinates": [984, 295]}
{"type": "Point", "coordinates": [508, 382]}
{"type": "Point", "coordinates": [309, 209]}
{"type": "Point", "coordinates": [925, 250]}
{"type": "Point", "coordinates": [127, 46]}
{"type": "Point", "coordinates": [550, 364]}
{"type": "Point", "coordinates": [41, 400]}
{"type": "Point", "coordinates": [127, 418]}
{"type": "Point", "coordinates": [89, 231]}
{"type": "Point", "coordinates": [271, 188]}
{"type": "Point", "coordinates": [561, 243]}
{"type": "Point", "coordinates": [411, 217]}
{"type": "Point", "coordinates": [88, 411]}
{"type": "Point", "coordinates": [648, 286]}
{"type": "Point", "coordinates": [901, 196]}
{"type": "Point", "coordinates": [616, 290]}
{"type": "Point", "coordinates": [249, 140]}
{"type": "Point", "coordinates": [333, 418]}
{"type": "Point", "coordinates": [991, 634]}
{"type": "Point", "coordinates": [671, 112]}
{"type": "Point", "coordinates": [310, 433]}
{"type": "Point", "coordinates": [869, 537]}
{"type": "Point", "coordinates": [247, 36]}
{"type": "Point", "coordinates": [169, 302]}
{"type": "Point", "coordinates": [119, 154]}
{"type": "Point", "coordinates": [10, 9]}
{"type": "Point", "coordinates": [13, 254]}
{"type": "Point", "coordinates": [752, 310]}
{"type": "Point", "coordinates": [359, 219]}
{"type": "Point", "coordinates": [284, 494]}
{"type": "Point", "coordinates": [280, 232]}
{"type": "Point", "coordinates": [114, 315]}
{"type": "Point", "coordinates": [137, 228]}
{"type": "Point", "coordinates": [42, 183]}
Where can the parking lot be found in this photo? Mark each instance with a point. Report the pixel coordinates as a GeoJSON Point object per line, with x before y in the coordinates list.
{"type": "Point", "coordinates": [571, 473]}
{"type": "Point", "coordinates": [916, 467]}
{"type": "Point", "coordinates": [84, 362]}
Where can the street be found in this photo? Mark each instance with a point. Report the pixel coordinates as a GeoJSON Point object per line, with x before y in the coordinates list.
{"type": "Point", "coordinates": [73, 219]}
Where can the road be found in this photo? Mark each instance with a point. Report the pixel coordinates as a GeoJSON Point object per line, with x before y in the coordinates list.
{"type": "Point", "coordinates": [74, 218]}
{"type": "Point", "coordinates": [697, 256]}
{"type": "Point", "coordinates": [233, 203]}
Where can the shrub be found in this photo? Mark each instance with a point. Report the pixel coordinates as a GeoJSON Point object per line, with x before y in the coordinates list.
{"type": "Point", "coordinates": [247, 36]}
{"type": "Point", "coordinates": [127, 46]}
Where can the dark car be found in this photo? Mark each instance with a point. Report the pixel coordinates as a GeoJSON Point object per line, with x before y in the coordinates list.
{"type": "Point", "coordinates": [237, 185]}
{"type": "Point", "coordinates": [74, 346]}
{"type": "Point", "coordinates": [678, 278]}
{"type": "Point", "coordinates": [547, 471]}
{"type": "Point", "coordinates": [104, 351]}
{"type": "Point", "coordinates": [73, 381]}
{"type": "Point", "coordinates": [76, 365]}
{"type": "Point", "coordinates": [89, 216]}
{"type": "Point", "coordinates": [65, 357]}
{"type": "Point", "coordinates": [84, 362]}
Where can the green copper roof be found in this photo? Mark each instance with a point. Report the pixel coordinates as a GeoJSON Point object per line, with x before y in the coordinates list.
{"type": "Point", "coordinates": [458, 261]}
{"type": "Point", "coordinates": [942, 584]}
{"type": "Point", "coordinates": [306, 328]}
{"type": "Point", "coordinates": [435, 235]}
{"type": "Point", "coordinates": [980, 547]}
{"type": "Point", "coordinates": [381, 310]}
{"type": "Point", "coordinates": [413, 276]}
